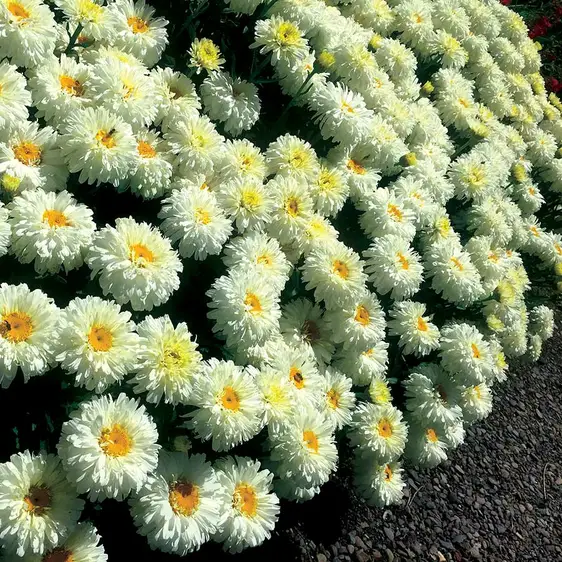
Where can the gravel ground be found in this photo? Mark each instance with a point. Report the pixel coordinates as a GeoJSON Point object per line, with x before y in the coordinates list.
{"type": "Point", "coordinates": [497, 499]}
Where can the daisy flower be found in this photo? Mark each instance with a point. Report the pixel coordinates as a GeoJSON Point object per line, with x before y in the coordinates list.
{"type": "Point", "coordinates": [31, 154]}
{"type": "Point", "coordinates": [5, 230]}
{"type": "Point", "coordinates": [335, 272]}
{"type": "Point", "coordinates": [232, 101]}
{"type": "Point", "coordinates": [99, 145]}
{"type": "Point", "coordinates": [137, 31]}
{"type": "Point", "coordinates": [329, 190]}
{"type": "Point", "coordinates": [393, 267]}
{"type": "Point", "coordinates": [379, 431]}
{"type": "Point", "coordinates": [303, 325]}
{"type": "Point", "coordinates": [246, 202]}
{"type": "Point", "coordinates": [427, 446]}
{"type": "Point", "coordinates": [229, 405]}
{"type": "Point", "coordinates": [364, 366]}
{"type": "Point", "coordinates": [59, 88]}
{"type": "Point", "coordinates": [167, 361]}
{"type": "Point", "coordinates": [27, 31]}
{"type": "Point", "coordinates": [97, 343]}
{"type": "Point", "coordinates": [195, 143]}
{"type": "Point", "coordinates": [38, 509]}
{"type": "Point", "coordinates": [431, 396]}
{"type": "Point", "coordinates": [304, 449]}
{"type": "Point", "coordinates": [282, 38]}
{"type": "Point", "coordinates": [204, 54]}
{"type": "Point", "coordinates": [465, 354]}
{"type": "Point", "coordinates": [136, 264]}
{"type": "Point", "coordinates": [154, 168]}
{"type": "Point", "coordinates": [379, 484]}
{"type": "Point", "coordinates": [245, 310]}
{"type": "Point", "coordinates": [28, 330]}
{"type": "Point", "coordinates": [242, 159]}
{"type": "Point", "coordinates": [51, 230]}
{"type": "Point", "coordinates": [250, 508]}
{"type": "Point", "coordinates": [91, 14]}
{"type": "Point", "coordinates": [476, 402]}
{"type": "Point", "coordinates": [14, 98]}
{"type": "Point", "coordinates": [338, 400]}
{"type": "Point", "coordinates": [178, 508]}
{"type": "Point", "coordinates": [194, 218]}
{"type": "Point", "coordinates": [286, 489]}
{"type": "Point", "coordinates": [256, 252]}
{"type": "Point", "coordinates": [278, 395]}
{"type": "Point", "coordinates": [359, 325]}
{"type": "Point", "coordinates": [418, 335]}
{"type": "Point", "coordinates": [291, 156]}
{"type": "Point", "coordinates": [108, 447]}
{"type": "Point", "coordinates": [379, 391]}
{"type": "Point", "coordinates": [176, 96]}
{"type": "Point", "coordinates": [542, 322]}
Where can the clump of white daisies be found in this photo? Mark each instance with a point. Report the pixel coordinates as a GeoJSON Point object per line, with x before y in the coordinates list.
{"type": "Point", "coordinates": [447, 183]}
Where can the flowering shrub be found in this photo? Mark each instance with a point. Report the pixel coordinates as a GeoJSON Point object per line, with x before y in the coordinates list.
{"type": "Point", "coordinates": [233, 238]}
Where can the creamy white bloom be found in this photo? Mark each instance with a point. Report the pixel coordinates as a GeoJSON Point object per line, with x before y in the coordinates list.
{"type": "Point", "coordinates": [136, 264]}
{"type": "Point", "coordinates": [5, 230]}
{"type": "Point", "coordinates": [418, 335]}
{"type": "Point", "coordinates": [278, 394]}
{"type": "Point", "coordinates": [242, 159]}
{"type": "Point", "coordinates": [250, 508]}
{"type": "Point", "coordinates": [51, 230]}
{"type": "Point", "coordinates": [14, 97]}
{"type": "Point", "coordinates": [97, 342]}
{"type": "Point", "coordinates": [28, 330]}
{"type": "Point", "coordinates": [204, 54]}
{"type": "Point", "coordinates": [108, 447]}
{"type": "Point", "coordinates": [329, 190]}
{"type": "Point", "coordinates": [542, 322]}
{"type": "Point", "coordinates": [38, 509]}
{"type": "Point", "coordinates": [288, 155]}
{"type": "Point", "coordinates": [380, 484]}
{"type": "Point", "coordinates": [337, 399]}
{"type": "Point", "coordinates": [427, 445]}
{"type": "Point", "coordinates": [476, 402]}
{"type": "Point", "coordinates": [229, 405]}
{"type": "Point", "coordinates": [91, 14]}
{"type": "Point", "coordinates": [98, 144]}
{"type": "Point", "coordinates": [365, 366]}
{"type": "Point", "coordinates": [282, 38]}
{"type": "Point", "coordinates": [178, 507]}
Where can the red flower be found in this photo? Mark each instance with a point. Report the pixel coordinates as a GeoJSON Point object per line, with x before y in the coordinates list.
{"type": "Point", "coordinates": [553, 84]}
{"type": "Point", "coordinates": [505, 2]}
{"type": "Point", "coordinates": [540, 28]}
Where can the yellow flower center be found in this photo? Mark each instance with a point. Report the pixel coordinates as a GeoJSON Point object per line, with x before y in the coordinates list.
{"type": "Point", "coordinates": [333, 398]}
{"type": "Point", "coordinates": [403, 260]}
{"type": "Point", "coordinates": [384, 428]}
{"type": "Point", "coordinates": [288, 34]}
{"type": "Point", "coordinates": [340, 269]}
{"type": "Point", "coordinates": [245, 500]}
{"type": "Point", "coordinates": [100, 338]}
{"type": "Point", "coordinates": [207, 54]}
{"type": "Point", "coordinates": [140, 255]}
{"type": "Point", "coordinates": [55, 218]}
{"type": "Point", "coordinates": [476, 176]}
{"type": "Point", "coordinates": [89, 11]}
{"type": "Point", "coordinates": [59, 555]}
{"type": "Point", "coordinates": [202, 216]}
{"type": "Point", "coordinates": [137, 24]}
{"type": "Point", "coordinates": [264, 259]}
{"type": "Point", "coordinates": [379, 392]}
{"type": "Point", "coordinates": [38, 500]}
{"type": "Point", "coordinates": [145, 150]}
{"type": "Point", "coordinates": [176, 355]}
{"type": "Point", "coordinates": [356, 168]}
{"type": "Point", "coordinates": [477, 392]}
{"type": "Point", "coordinates": [250, 199]}
{"type": "Point", "coordinates": [106, 138]}
{"type": "Point", "coordinates": [475, 351]}
{"type": "Point", "coordinates": [296, 377]}
{"type": "Point", "coordinates": [115, 441]}
{"type": "Point", "coordinates": [253, 303]}
{"type": "Point", "coordinates": [10, 183]}
{"type": "Point", "coordinates": [16, 327]}
{"type": "Point", "coordinates": [464, 103]}
{"type": "Point", "coordinates": [17, 10]}
{"type": "Point", "coordinates": [230, 399]}
{"type": "Point", "coordinates": [457, 263]}
{"type": "Point", "coordinates": [388, 473]}
{"type": "Point", "coordinates": [326, 181]}
{"type": "Point", "coordinates": [534, 231]}
{"type": "Point", "coordinates": [431, 435]}
{"type": "Point", "coordinates": [326, 59]}
{"type": "Point", "coordinates": [346, 107]}
{"type": "Point", "coordinates": [311, 440]}
{"type": "Point", "coordinates": [28, 153]}
{"type": "Point", "coordinates": [184, 498]}
{"type": "Point", "coordinates": [362, 315]}
{"type": "Point", "coordinates": [292, 206]}
{"type": "Point", "coordinates": [422, 324]}
{"type": "Point", "coordinates": [71, 86]}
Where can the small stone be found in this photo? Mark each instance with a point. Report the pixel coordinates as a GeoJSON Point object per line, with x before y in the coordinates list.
{"type": "Point", "coordinates": [321, 558]}
{"type": "Point", "coordinates": [359, 543]}
{"type": "Point", "coordinates": [350, 548]}
{"type": "Point", "coordinates": [390, 555]}
{"type": "Point", "coordinates": [362, 556]}
{"type": "Point", "coordinates": [377, 555]}
{"type": "Point", "coordinates": [389, 533]}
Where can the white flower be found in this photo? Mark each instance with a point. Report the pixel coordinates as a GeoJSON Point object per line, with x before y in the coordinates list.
{"type": "Point", "coordinates": [178, 508]}
{"type": "Point", "coordinates": [5, 230]}
{"type": "Point", "coordinates": [329, 190]}
{"type": "Point", "coordinates": [418, 335]}
{"type": "Point", "coordinates": [108, 447]}
{"type": "Point", "coordinates": [99, 145]}
{"type": "Point", "coordinates": [242, 159]}
{"type": "Point", "coordinates": [232, 101]}
{"type": "Point", "coordinates": [364, 366]}
{"type": "Point", "coordinates": [359, 325]}
{"type": "Point", "coordinates": [335, 272]}
{"type": "Point", "coordinates": [204, 54]}
{"type": "Point", "coordinates": [38, 509]}
{"type": "Point", "coordinates": [245, 309]}
{"type": "Point", "coordinates": [290, 156]}
{"type": "Point", "coordinates": [229, 405]}
{"type": "Point", "coordinates": [278, 394]}
{"type": "Point", "coordinates": [304, 449]}
{"type": "Point", "coordinates": [91, 14]}
{"type": "Point", "coordinates": [379, 391]}
{"type": "Point", "coordinates": [97, 342]}
{"type": "Point", "coordinates": [51, 230]}
{"type": "Point", "coordinates": [167, 361]}
{"type": "Point", "coordinates": [427, 445]}
{"type": "Point", "coordinates": [282, 38]}
{"type": "Point", "coordinates": [137, 31]}
{"type": "Point", "coordinates": [14, 98]}
{"type": "Point", "coordinates": [28, 330]}
{"type": "Point", "coordinates": [338, 400]}
{"type": "Point", "coordinates": [394, 267]}
{"type": "Point", "coordinates": [542, 322]}
{"type": "Point", "coordinates": [380, 484]}
{"type": "Point", "coordinates": [250, 508]}
{"type": "Point", "coordinates": [136, 264]}
{"type": "Point", "coordinates": [476, 402]}
{"type": "Point", "coordinates": [27, 31]}
{"type": "Point", "coordinates": [31, 154]}
{"type": "Point", "coordinates": [378, 430]}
